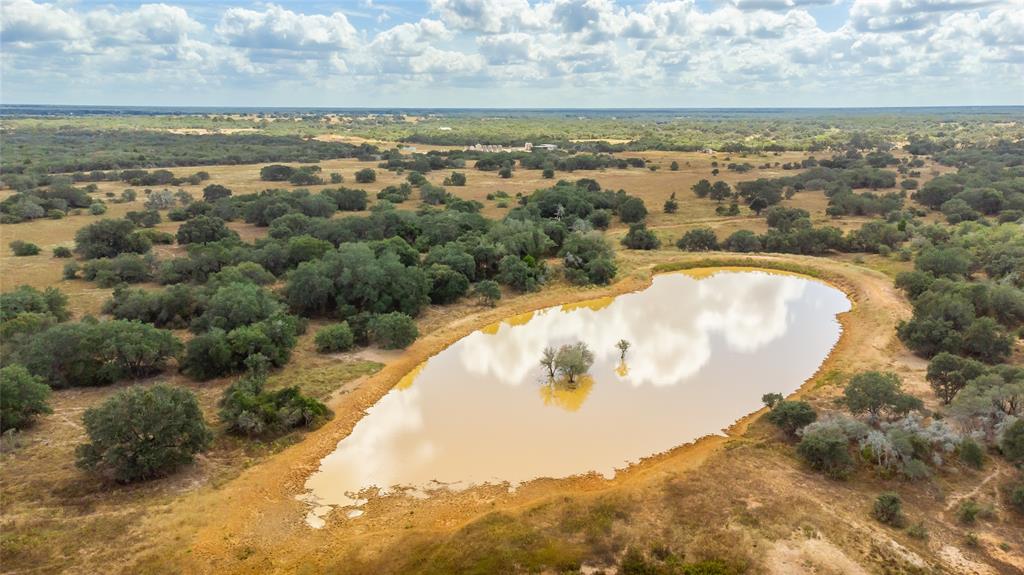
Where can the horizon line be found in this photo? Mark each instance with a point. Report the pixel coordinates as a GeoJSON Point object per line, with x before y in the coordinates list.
{"type": "Point", "coordinates": [510, 108]}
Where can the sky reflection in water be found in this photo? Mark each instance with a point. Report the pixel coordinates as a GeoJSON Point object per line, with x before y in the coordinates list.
{"type": "Point", "coordinates": [703, 352]}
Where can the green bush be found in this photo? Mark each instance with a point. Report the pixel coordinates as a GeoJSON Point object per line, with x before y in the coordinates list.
{"type": "Point", "coordinates": [334, 338]}
{"type": "Point", "coordinates": [640, 238]}
{"type": "Point", "coordinates": [1016, 496]}
{"type": "Point", "coordinates": [1012, 442]}
{"type": "Point", "coordinates": [790, 416]}
{"type": "Point", "coordinates": [93, 353]}
{"type": "Point", "coordinates": [632, 210]}
{"type": "Point", "coordinates": [248, 409]}
{"type": "Point", "coordinates": [447, 285]}
{"type": "Point", "coordinates": [888, 509]}
{"type": "Point", "coordinates": [698, 240]}
{"type": "Point", "coordinates": [62, 252]}
{"type": "Point", "coordinates": [143, 433]}
{"type": "Point", "coordinates": [109, 238]}
{"type": "Point", "coordinates": [873, 392]}
{"type": "Point", "coordinates": [366, 176]}
{"type": "Point", "coordinates": [22, 249]}
{"type": "Point", "coordinates": [971, 453]}
{"type": "Point", "coordinates": [393, 330]}
{"type": "Point", "coordinates": [204, 229]}
{"type": "Point", "coordinates": [27, 299]}
{"type": "Point", "coordinates": [826, 449]}
{"type": "Point", "coordinates": [218, 352]}
{"type": "Point", "coordinates": [22, 397]}
{"type": "Point", "coordinates": [918, 530]}
{"type": "Point", "coordinates": [98, 209]}
{"type": "Point", "coordinates": [969, 511]}
{"type": "Point", "coordinates": [125, 268]}
{"type": "Point", "coordinates": [488, 292]}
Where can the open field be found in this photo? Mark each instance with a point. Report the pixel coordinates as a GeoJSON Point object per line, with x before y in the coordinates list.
{"type": "Point", "coordinates": [744, 498]}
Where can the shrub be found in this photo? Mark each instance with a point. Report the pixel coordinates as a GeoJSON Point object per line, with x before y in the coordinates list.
{"type": "Point", "coordinates": [248, 409]}
{"type": "Point", "coordinates": [640, 238]}
{"type": "Point", "coordinates": [632, 210]}
{"type": "Point", "coordinates": [393, 330]}
{"type": "Point", "coordinates": [971, 453]}
{"type": "Point", "coordinates": [21, 248]}
{"type": "Point", "coordinates": [488, 292]}
{"type": "Point", "coordinates": [587, 259]}
{"type": "Point", "coordinates": [125, 268]}
{"type": "Point", "coordinates": [366, 176]}
{"type": "Point", "coordinates": [918, 530]}
{"type": "Point", "coordinates": [826, 449]}
{"type": "Point", "coordinates": [235, 305]}
{"type": "Point", "coordinates": [276, 173]}
{"type": "Point", "coordinates": [790, 416]}
{"type": "Point", "coordinates": [447, 285]}
{"type": "Point", "coordinates": [109, 238]}
{"type": "Point", "coordinates": [1012, 442]}
{"type": "Point", "coordinates": [62, 252]}
{"type": "Point", "coordinates": [456, 179]}
{"type": "Point", "coordinates": [874, 391]}
{"type": "Point", "coordinates": [209, 355]}
{"type": "Point", "coordinates": [143, 433]}
{"type": "Point", "coordinates": [204, 229]}
{"type": "Point", "coordinates": [1016, 496]}
{"type": "Point", "coordinates": [97, 353]}
{"type": "Point", "coordinates": [146, 219]}
{"type": "Point", "coordinates": [334, 338]}
{"type": "Point", "coordinates": [770, 400]}
{"type": "Point", "coordinates": [214, 192]}
{"type": "Point", "coordinates": [600, 219]}
{"type": "Point", "coordinates": [970, 510]}
{"type": "Point", "coordinates": [742, 241]}
{"type": "Point", "coordinates": [71, 270]}
{"type": "Point", "coordinates": [888, 509]}
{"type": "Point", "coordinates": [519, 274]}
{"type": "Point", "coordinates": [22, 397]}
{"type": "Point", "coordinates": [698, 240]}
{"type": "Point", "coordinates": [27, 299]}
{"type": "Point", "coordinates": [948, 374]}
{"type": "Point", "coordinates": [347, 199]}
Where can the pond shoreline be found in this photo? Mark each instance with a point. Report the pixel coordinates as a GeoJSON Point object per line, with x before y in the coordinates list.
{"type": "Point", "coordinates": [281, 479]}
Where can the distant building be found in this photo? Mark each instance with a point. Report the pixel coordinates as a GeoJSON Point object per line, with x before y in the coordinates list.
{"type": "Point", "coordinates": [547, 147]}
{"type": "Point", "coordinates": [445, 128]}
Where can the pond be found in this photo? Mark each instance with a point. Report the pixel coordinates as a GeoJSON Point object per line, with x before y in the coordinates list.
{"type": "Point", "coordinates": [705, 345]}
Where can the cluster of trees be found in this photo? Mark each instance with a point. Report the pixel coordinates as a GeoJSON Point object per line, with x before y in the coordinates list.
{"type": "Point", "coordinates": [986, 184]}
{"type": "Point", "coordinates": [33, 152]}
{"type": "Point", "coordinates": [955, 314]}
{"type": "Point", "coordinates": [893, 438]}
{"type": "Point", "coordinates": [91, 353]}
{"type": "Point", "coordinates": [790, 231]}
{"type": "Point", "coordinates": [300, 176]}
{"type": "Point", "coordinates": [248, 408]}
{"type": "Point", "coordinates": [570, 361]}
{"type": "Point", "coordinates": [53, 202]}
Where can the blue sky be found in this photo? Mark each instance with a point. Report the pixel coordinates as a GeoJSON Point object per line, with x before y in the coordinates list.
{"type": "Point", "coordinates": [514, 53]}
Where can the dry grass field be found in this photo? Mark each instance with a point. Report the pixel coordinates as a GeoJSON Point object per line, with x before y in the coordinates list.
{"type": "Point", "coordinates": [743, 497]}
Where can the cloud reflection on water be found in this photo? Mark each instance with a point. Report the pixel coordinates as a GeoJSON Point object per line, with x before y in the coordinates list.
{"type": "Point", "coordinates": [703, 352]}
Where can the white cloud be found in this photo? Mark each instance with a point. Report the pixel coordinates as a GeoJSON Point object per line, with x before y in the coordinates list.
{"type": "Point", "coordinates": [663, 50]}
{"type": "Point", "coordinates": [26, 22]}
{"type": "Point", "coordinates": [280, 28]}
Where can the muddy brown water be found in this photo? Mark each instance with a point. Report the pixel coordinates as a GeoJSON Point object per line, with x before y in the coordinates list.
{"type": "Point", "coordinates": [705, 346]}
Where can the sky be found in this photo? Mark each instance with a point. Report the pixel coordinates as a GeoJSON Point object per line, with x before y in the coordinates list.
{"type": "Point", "coordinates": [514, 53]}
